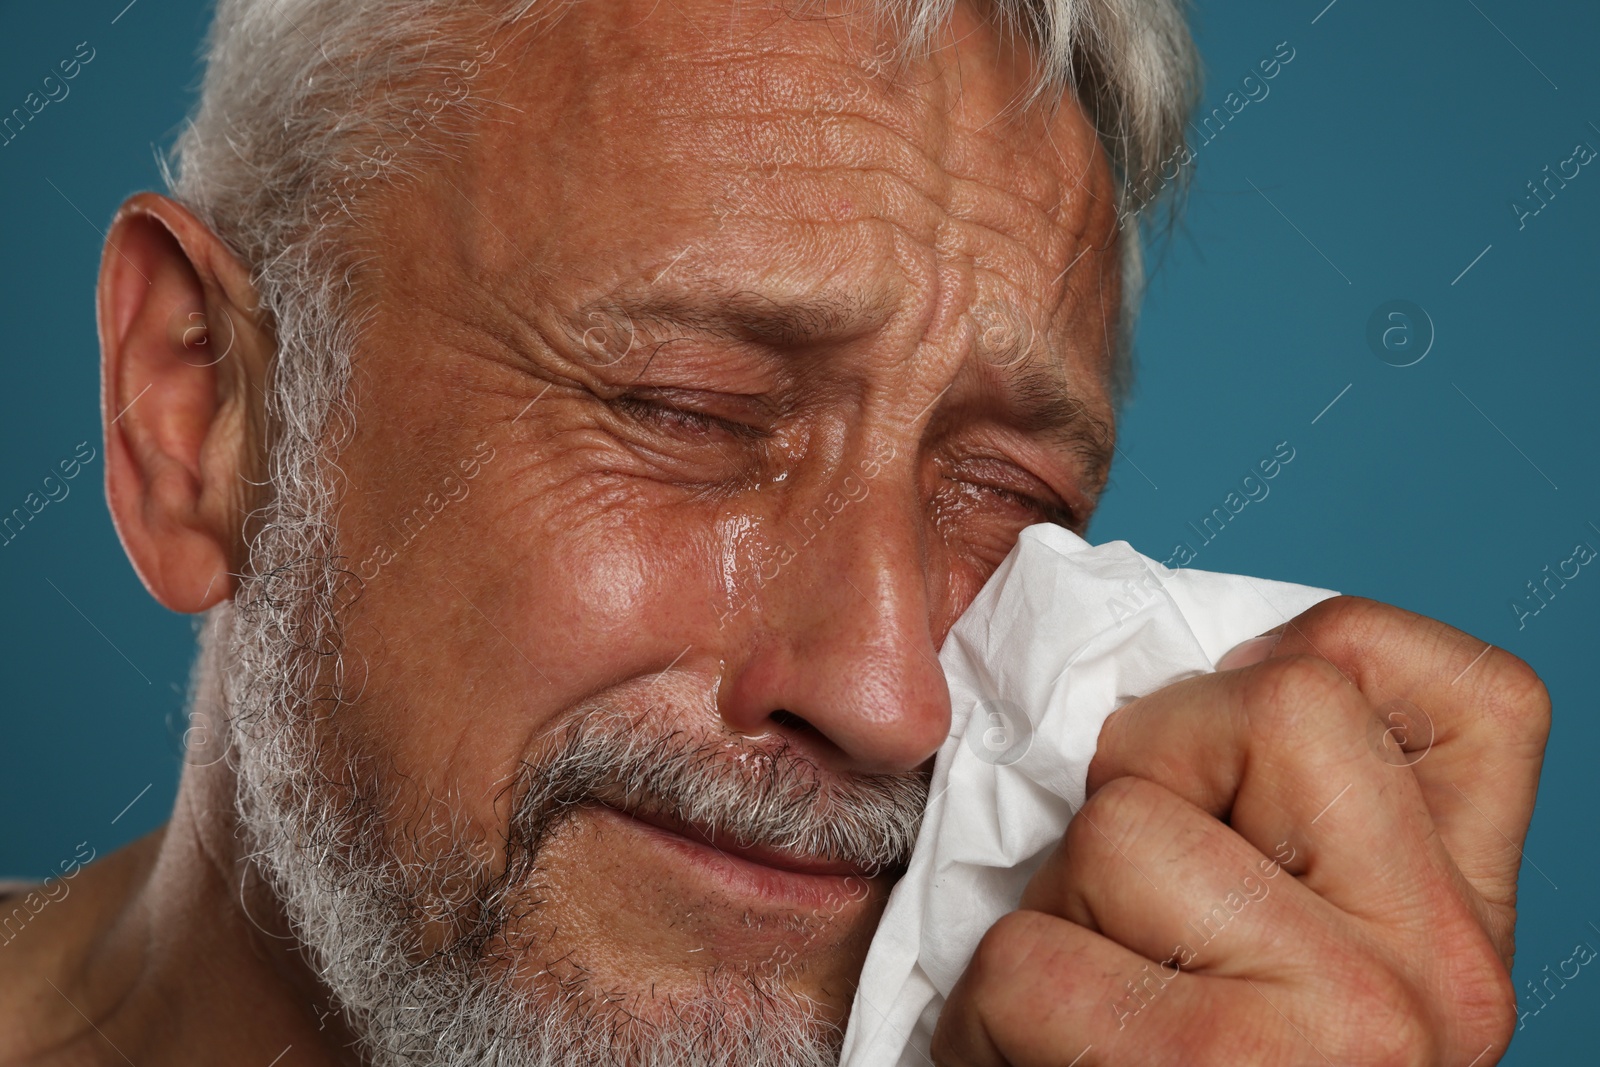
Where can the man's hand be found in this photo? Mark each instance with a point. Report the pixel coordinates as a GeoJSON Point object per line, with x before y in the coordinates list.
{"type": "Point", "coordinates": [1388, 763]}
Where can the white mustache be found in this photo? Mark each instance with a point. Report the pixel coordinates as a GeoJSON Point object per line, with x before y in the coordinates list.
{"type": "Point", "coordinates": [760, 794]}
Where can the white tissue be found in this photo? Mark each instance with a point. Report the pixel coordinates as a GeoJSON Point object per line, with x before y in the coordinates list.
{"type": "Point", "coordinates": [1063, 634]}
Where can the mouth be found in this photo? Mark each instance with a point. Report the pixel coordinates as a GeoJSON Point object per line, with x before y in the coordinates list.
{"type": "Point", "coordinates": [776, 875]}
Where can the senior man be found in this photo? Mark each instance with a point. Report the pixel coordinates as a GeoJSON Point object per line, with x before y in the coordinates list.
{"type": "Point", "coordinates": [579, 426]}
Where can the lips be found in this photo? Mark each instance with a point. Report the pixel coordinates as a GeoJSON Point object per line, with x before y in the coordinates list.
{"type": "Point", "coordinates": [789, 862]}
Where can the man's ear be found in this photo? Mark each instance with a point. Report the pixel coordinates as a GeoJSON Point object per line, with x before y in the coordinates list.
{"type": "Point", "coordinates": [183, 360]}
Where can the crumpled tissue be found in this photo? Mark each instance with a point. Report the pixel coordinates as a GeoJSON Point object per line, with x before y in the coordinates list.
{"type": "Point", "coordinates": [1063, 634]}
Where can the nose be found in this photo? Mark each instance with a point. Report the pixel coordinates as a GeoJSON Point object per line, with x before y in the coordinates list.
{"type": "Point", "coordinates": [841, 649]}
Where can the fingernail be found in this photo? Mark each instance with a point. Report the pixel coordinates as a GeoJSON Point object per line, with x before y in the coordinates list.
{"type": "Point", "coordinates": [1250, 652]}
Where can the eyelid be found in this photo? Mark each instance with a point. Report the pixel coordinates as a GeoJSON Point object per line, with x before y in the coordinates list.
{"type": "Point", "coordinates": [1008, 473]}
{"type": "Point", "coordinates": [647, 403]}
{"type": "Point", "coordinates": [1024, 487]}
{"type": "Point", "coordinates": [1059, 513]}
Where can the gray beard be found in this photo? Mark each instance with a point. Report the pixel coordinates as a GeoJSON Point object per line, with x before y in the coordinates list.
{"type": "Point", "coordinates": [312, 825]}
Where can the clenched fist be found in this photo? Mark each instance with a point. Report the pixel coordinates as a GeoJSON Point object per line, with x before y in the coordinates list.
{"type": "Point", "coordinates": [1308, 857]}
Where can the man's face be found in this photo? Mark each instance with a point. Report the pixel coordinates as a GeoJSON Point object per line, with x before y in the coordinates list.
{"type": "Point", "coordinates": [706, 386]}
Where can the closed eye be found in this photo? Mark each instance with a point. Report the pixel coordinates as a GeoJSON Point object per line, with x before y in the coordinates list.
{"type": "Point", "coordinates": [1049, 510]}
{"type": "Point", "coordinates": [1003, 481]}
{"type": "Point", "coordinates": [653, 410]}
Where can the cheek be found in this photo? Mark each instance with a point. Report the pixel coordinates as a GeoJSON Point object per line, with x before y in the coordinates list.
{"type": "Point", "coordinates": [592, 579]}
{"type": "Point", "coordinates": [535, 594]}
{"type": "Point", "coordinates": [607, 574]}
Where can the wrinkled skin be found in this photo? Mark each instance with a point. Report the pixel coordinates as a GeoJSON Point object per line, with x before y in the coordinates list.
{"type": "Point", "coordinates": [763, 449]}
{"type": "Point", "coordinates": [759, 356]}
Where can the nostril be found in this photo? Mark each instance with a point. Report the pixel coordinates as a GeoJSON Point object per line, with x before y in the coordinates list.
{"type": "Point", "coordinates": [793, 722]}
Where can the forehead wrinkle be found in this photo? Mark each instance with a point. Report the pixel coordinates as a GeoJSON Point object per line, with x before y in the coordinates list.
{"type": "Point", "coordinates": [917, 149]}
{"type": "Point", "coordinates": [1008, 238]}
{"type": "Point", "coordinates": [1022, 234]}
{"type": "Point", "coordinates": [793, 81]}
{"type": "Point", "coordinates": [1010, 346]}
{"type": "Point", "coordinates": [1059, 226]}
{"type": "Point", "coordinates": [976, 175]}
{"type": "Point", "coordinates": [936, 178]}
{"type": "Point", "coordinates": [861, 139]}
{"type": "Point", "coordinates": [822, 106]}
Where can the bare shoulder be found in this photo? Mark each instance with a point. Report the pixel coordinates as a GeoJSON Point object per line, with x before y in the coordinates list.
{"type": "Point", "coordinates": [50, 929]}
{"type": "Point", "coordinates": [22, 901]}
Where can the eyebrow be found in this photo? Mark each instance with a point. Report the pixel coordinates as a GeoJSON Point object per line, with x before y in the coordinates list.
{"type": "Point", "coordinates": [1047, 405]}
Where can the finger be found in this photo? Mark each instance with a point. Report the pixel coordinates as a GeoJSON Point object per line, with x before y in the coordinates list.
{"type": "Point", "coordinates": [1142, 866]}
{"type": "Point", "coordinates": [1280, 750]}
{"type": "Point", "coordinates": [1154, 873]}
{"type": "Point", "coordinates": [1044, 992]}
{"type": "Point", "coordinates": [1472, 721]}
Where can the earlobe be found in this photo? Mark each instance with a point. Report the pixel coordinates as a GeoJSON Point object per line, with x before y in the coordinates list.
{"type": "Point", "coordinates": [182, 358]}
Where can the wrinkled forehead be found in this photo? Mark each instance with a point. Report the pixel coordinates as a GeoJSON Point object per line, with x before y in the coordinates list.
{"type": "Point", "coordinates": [790, 147]}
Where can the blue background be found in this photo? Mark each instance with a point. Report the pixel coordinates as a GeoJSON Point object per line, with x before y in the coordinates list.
{"type": "Point", "coordinates": [1380, 166]}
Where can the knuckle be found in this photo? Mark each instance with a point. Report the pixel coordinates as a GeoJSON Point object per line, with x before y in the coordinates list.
{"type": "Point", "coordinates": [1117, 814]}
{"type": "Point", "coordinates": [1005, 949]}
{"type": "Point", "coordinates": [1026, 966]}
{"type": "Point", "coordinates": [1462, 1002]}
{"type": "Point", "coordinates": [1409, 1042]}
{"type": "Point", "coordinates": [1515, 698]}
{"type": "Point", "coordinates": [1491, 1019]}
{"type": "Point", "coordinates": [1354, 619]}
{"type": "Point", "coordinates": [1293, 694]}
{"type": "Point", "coordinates": [1481, 1002]}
